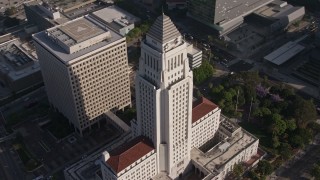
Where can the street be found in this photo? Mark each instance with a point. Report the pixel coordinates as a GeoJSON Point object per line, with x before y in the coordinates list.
{"type": "Point", "coordinates": [8, 160]}
{"type": "Point", "coordinates": [302, 164]}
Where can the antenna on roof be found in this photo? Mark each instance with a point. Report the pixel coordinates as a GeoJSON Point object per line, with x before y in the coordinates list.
{"type": "Point", "coordinates": [162, 10]}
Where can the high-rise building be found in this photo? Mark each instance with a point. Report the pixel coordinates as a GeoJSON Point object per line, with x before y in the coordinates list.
{"type": "Point", "coordinates": [170, 136]}
{"type": "Point", "coordinates": [164, 96]}
{"type": "Point", "coordinates": [85, 70]}
{"type": "Point", "coordinates": [223, 15]}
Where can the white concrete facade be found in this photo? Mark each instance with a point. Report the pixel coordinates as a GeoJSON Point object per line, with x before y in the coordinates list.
{"type": "Point", "coordinates": [204, 129]}
{"type": "Point", "coordinates": [164, 97]}
{"type": "Point", "coordinates": [194, 56]}
{"type": "Point", "coordinates": [235, 146]}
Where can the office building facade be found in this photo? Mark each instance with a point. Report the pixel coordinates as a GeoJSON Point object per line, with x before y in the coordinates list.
{"type": "Point", "coordinates": [85, 70]}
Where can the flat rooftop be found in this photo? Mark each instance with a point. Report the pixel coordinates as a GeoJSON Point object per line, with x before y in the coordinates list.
{"type": "Point", "coordinates": [47, 11]}
{"type": "Point", "coordinates": [214, 159]}
{"type": "Point", "coordinates": [76, 38]}
{"type": "Point", "coordinates": [111, 13]}
{"type": "Point", "coordinates": [276, 9]}
{"type": "Point", "coordinates": [76, 31]}
{"type": "Point", "coordinates": [285, 52]}
{"type": "Point", "coordinates": [193, 50]}
{"type": "Point", "coordinates": [18, 59]}
{"type": "Point", "coordinates": [230, 126]}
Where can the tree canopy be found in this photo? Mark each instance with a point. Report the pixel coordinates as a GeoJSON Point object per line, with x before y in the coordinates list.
{"type": "Point", "coordinates": [305, 112]}
{"type": "Point", "coordinates": [202, 73]}
{"type": "Point", "coordinates": [264, 167]}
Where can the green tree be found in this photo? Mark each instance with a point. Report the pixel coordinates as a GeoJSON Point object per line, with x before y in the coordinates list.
{"type": "Point", "coordinates": [264, 167]}
{"type": "Point", "coordinates": [238, 170]}
{"type": "Point", "coordinates": [253, 175]}
{"type": "Point", "coordinates": [285, 151]}
{"type": "Point", "coordinates": [296, 141]}
{"type": "Point", "coordinates": [315, 172]}
{"type": "Point", "coordinates": [306, 135]}
{"type": "Point", "coordinates": [202, 73]}
{"type": "Point", "coordinates": [275, 142]}
{"type": "Point", "coordinates": [291, 124]}
{"type": "Point", "coordinates": [305, 112]}
{"type": "Point", "coordinates": [278, 125]}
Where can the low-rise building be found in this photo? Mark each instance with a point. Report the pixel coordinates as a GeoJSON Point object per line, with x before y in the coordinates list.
{"type": "Point", "coordinates": [118, 19]}
{"type": "Point", "coordinates": [43, 14]}
{"type": "Point", "coordinates": [19, 66]}
{"type": "Point", "coordinates": [237, 146]}
{"type": "Point", "coordinates": [195, 56]}
{"type": "Point", "coordinates": [279, 15]}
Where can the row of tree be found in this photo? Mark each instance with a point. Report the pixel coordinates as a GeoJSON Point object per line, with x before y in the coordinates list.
{"type": "Point", "coordinates": [138, 31]}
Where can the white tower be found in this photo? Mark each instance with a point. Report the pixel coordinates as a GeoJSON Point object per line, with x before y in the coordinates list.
{"type": "Point", "coordinates": [164, 96]}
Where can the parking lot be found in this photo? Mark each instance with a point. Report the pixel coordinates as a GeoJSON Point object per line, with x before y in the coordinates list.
{"type": "Point", "coordinates": [85, 9]}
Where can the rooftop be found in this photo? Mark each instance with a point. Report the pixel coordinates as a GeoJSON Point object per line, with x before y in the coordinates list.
{"type": "Point", "coordinates": [76, 31]}
{"type": "Point", "coordinates": [229, 126]}
{"type": "Point", "coordinates": [46, 10]}
{"type": "Point", "coordinates": [18, 59]}
{"type": "Point", "coordinates": [114, 13]}
{"type": "Point", "coordinates": [219, 155]}
{"type": "Point", "coordinates": [276, 9]}
{"type": "Point", "coordinates": [284, 53]}
{"type": "Point", "coordinates": [192, 49]}
{"type": "Point", "coordinates": [76, 38]}
{"type": "Point", "coordinates": [128, 153]}
{"type": "Point", "coordinates": [201, 108]}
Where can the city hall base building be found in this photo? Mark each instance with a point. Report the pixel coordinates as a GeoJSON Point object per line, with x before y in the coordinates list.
{"type": "Point", "coordinates": [173, 135]}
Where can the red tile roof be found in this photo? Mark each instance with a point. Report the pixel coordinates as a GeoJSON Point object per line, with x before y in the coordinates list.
{"type": "Point", "coordinates": [202, 107]}
{"type": "Point", "coordinates": [126, 154]}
